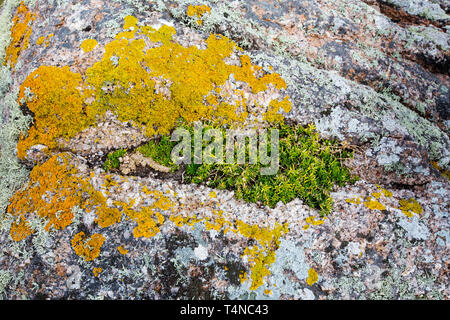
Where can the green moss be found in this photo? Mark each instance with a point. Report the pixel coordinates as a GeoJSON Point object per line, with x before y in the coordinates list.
{"type": "Point", "coordinates": [309, 167]}
{"type": "Point", "coordinates": [112, 160]}
{"type": "Point", "coordinates": [159, 151]}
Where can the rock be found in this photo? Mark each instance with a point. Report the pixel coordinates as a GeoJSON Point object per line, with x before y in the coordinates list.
{"type": "Point", "coordinates": [370, 75]}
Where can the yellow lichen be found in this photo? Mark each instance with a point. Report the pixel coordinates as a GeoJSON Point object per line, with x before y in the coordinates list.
{"type": "Point", "coordinates": [410, 206]}
{"type": "Point", "coordinates": [130, 21]}
{"type": "Point", "coordinates": [386, 193]}
{"type": "Point", "coordinates": [374, 204]}
{"type": "Point", "coordinates": [311, 221]}
{"type": "Point", "coordinates": [148, 222]}
{"type": "Point", "coordinates": [445, 173]}
{"type": "Point", "coordinates": [88, 45]}
{"type": "Point", "coordinates": [261, 257]}
{"type": "Point", "coordinates": [312, 277]}
{"type": "Point", "coordinates": [376, 195]}
{"type": "Point", "coordinates": [197, 11]}
{"type": "Point", "coordinates": [20, 34]}
{"type": "Point", "coordinates": [192, 76]}
{"type": "Point", "coordinates": [353, 200]}
{"type": "Point", "coordinates": [243, 276]}
{"type": "Point", "coordinates": [40, 41]}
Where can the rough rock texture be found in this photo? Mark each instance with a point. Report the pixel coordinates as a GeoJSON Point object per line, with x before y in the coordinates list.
{"type": "Point", "coordinates": [371, 74]}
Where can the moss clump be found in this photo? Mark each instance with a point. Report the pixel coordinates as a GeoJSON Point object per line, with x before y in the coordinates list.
{"type": "Point", "coordinates": [159, 151]}
{"type": "Point", "coordinates": [309, 168]}
{"type": "Point", "coordinates": [112, 160]}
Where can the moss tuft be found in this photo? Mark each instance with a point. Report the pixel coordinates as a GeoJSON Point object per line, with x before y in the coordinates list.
{"type": "Point", "coordinates": [309, 168]}
{"type": "Point", "coordinates": [113, 159]}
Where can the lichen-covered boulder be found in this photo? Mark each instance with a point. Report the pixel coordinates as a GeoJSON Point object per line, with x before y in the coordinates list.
{"type": "Point", "coordinates": [92, 206]}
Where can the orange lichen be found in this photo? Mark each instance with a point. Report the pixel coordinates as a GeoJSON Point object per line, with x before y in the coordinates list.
{"type": "Point", "coordinates": [55, 188]}
{"type": "Point", "coordinates": [97, 271]}
{"type": "Point", "coordinates": [20, 34]}
{"type": "Point", "coordinates": [20, 230]}
{"type": "Point", "coordinates": [58, 107]}
{"type": "Point", "coordinates": [87, 248]}
{"type": "Point", "coordinates": [40, 41]}
{"type": "Point", "coordinates": [108, 216]}
{"type": "Point", "coordinates": [51, 193]}
{"type": "Point", "coordinates": [47, 40]}
{"type": "Point", "coordinates": [122, 250]}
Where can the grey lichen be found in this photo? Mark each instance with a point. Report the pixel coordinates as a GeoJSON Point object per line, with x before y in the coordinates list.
{"type": "Point", "coordinates": [423, 8]}
{"type": "Point", "coordinates": [414, 228]}
{"type": "Point", "coordinates": [5, 278]}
